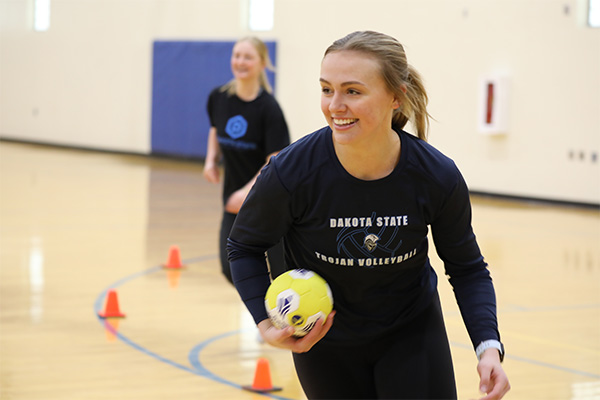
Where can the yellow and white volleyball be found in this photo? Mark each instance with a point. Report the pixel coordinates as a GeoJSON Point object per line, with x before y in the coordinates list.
{"type": "Point", "coordinates": [298, 298]}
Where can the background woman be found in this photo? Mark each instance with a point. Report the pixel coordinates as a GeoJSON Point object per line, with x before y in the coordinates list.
{"type": "Point", "coordinates": [247, 128]}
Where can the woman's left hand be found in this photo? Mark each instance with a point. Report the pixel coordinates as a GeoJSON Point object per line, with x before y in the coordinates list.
{"type": "Point", "coordinates": [493, 379]}
{"type": "Point", "coordinates": [283, 338]}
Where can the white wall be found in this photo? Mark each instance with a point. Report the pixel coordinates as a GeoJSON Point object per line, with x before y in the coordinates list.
{"type": "Point", "coordinates": [87, 81]}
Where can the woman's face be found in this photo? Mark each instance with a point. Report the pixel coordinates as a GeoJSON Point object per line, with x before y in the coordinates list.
{"type": "Point", "coordinates": [245, 61]}
{"type": "Point", "coordinates": [354, 98]}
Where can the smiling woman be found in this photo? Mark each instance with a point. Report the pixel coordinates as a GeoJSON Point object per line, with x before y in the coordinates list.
{"type": "Point", "coordinates": [362, 223]}
{"type": "Point", "coordinates": [247, 128]}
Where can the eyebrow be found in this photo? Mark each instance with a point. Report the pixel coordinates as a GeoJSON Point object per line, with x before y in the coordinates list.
{"type": "Point", "coordinates": [349, 83]}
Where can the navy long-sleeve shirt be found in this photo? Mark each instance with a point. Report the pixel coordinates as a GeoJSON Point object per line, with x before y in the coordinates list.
{"type": "Point", "coordinates": [367, 239]}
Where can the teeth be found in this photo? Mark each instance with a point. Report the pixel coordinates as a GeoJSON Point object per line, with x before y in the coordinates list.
{"type": "Point", "coordinates": [346, 121]}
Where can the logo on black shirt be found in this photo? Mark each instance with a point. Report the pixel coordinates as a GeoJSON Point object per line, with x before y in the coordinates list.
{"type": "Point", "coordinates": [370, 242]}
{"type": "Point", "coordinates": [236, 127]}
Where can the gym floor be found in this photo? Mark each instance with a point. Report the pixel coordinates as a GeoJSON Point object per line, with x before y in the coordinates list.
{"type": "Point", "coordinates": [75, 224]}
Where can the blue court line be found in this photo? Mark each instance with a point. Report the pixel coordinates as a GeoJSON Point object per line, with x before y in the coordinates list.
{"type": "Point", "coordinates": [536, 362]}
{"type": "Point", "coordinates": [552, 366]}
{"type": "Point", "coordinates": [194, 359]}
{"type": "Point", "coordinates": [199, 369]}
{"type": "Point", "coordinates": [520, 309]}
{"type": "Point", "coordinates": [516, 308]}
{"type": "Point", "coordinates": [193, 355]}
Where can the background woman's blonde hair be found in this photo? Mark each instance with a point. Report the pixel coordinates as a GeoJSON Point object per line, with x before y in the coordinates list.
{"type": "Point", "coordinates": [263, 53]}
{"type": "Point", "coordinates": [397, 74]}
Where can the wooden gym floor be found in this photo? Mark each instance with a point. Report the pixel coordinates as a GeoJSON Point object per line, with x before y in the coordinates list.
{"type": "Point", "coordinates": [74, 224]}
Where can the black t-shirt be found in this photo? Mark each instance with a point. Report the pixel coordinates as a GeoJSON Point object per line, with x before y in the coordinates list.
{"type": "Point", "coordinates": [247, 131]}
{"type": "Point", "coordinates": [367, 239]}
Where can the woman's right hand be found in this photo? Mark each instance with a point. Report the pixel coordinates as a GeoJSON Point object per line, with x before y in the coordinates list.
{"type": "Point", "coordinates": [285, 339]}
{"type": "Point", "coordinates": [211, 173]}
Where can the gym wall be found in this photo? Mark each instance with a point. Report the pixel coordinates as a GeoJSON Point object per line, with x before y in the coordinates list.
{"type": "Point", "coordinates": [88, 81]}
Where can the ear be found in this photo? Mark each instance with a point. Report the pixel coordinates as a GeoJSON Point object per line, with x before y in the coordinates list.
{"type": "Point", "coordinates": [397, 102]}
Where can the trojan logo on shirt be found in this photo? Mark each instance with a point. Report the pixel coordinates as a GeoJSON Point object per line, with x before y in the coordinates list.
{"type": "Point", "coordinates": [370, 242]}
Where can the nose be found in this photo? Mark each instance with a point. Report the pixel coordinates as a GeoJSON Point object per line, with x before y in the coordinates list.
{"type": "Point", "coordinates": [336, 103]}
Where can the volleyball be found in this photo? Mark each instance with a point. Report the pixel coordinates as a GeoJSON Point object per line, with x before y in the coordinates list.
{"type": "Point", "coordinates": [298, 298]}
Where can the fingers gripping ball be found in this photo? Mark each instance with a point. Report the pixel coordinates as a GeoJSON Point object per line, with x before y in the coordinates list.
{"type": "Point", "coordinates": [298, 298]}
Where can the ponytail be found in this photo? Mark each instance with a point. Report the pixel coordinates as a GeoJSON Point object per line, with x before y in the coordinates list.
{"type": "Point", "coordinates": [414, 105]}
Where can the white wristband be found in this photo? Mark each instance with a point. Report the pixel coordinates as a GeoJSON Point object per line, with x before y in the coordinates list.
{"type": "Point", "coordinates": [489, 344]}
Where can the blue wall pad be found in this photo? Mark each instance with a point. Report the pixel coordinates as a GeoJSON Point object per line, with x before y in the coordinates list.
{"type": "Point", "coordinates": [183, 75]}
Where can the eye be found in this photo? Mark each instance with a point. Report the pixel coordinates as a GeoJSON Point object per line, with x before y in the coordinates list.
{"type": "Point", "coordinates": [326, 90]}
{"type": "Point", "coordinates": [353, 92]}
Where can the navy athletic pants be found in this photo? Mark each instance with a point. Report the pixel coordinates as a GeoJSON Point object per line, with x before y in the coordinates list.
{"type": "Point", "coordinates": [411, 363]}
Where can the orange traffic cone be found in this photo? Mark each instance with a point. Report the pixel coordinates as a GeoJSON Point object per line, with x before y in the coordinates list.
{"type": "Point", "coordinates": [262, 378]}
{"type": "Point", "coordinates": [174, 261]}
{"type": "Point", "coordinates": [111, 309]}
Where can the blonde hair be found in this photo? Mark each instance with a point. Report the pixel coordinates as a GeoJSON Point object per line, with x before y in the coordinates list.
{"type": "Point", "coordinates": [397, 74]}
{"type": "Point", "coordinates": [263, 53]}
